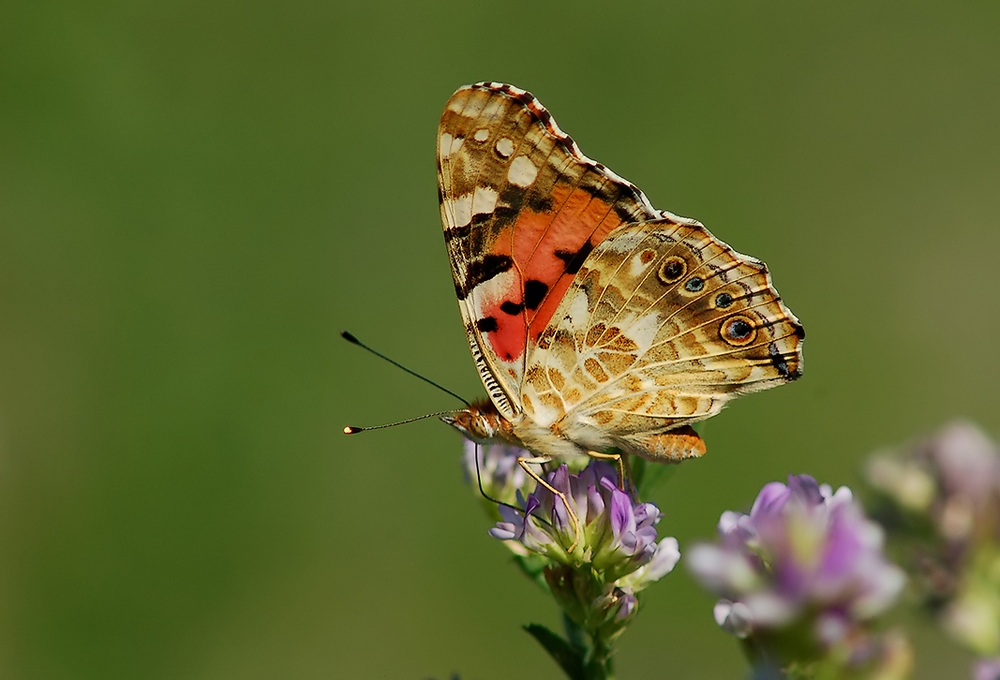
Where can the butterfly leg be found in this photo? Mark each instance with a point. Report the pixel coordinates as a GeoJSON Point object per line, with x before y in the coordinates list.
{"type": "Point", "coordinates": [524, 462]}
{"type": "Point", "coordinates": [619, 461]}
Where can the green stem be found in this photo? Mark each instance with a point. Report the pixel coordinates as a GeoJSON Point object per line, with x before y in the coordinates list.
{"type": "Point", "coordinates": [600, 666]}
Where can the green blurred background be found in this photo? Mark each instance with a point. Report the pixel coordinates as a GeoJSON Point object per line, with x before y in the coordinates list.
{"type": "Point", "coordinates": [195, 198]}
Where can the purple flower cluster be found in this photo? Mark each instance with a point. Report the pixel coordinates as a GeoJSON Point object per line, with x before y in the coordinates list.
{"type": "Point", "coordinates": [987, 669]}
{"type": "Point", "coordinates": [952, 478]}
{"type": "Point", "coordinates": [618, 533]}
{"type": "Point", "coordinates": [615, 556]}
{"type": "Point", "coordinates": [805, 557]}
{"type": "Point", "coordinates": [940, 501]}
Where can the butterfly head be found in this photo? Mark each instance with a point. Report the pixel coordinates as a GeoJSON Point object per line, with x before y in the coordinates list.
{"type": "Point", "coordinates": [480, 422]}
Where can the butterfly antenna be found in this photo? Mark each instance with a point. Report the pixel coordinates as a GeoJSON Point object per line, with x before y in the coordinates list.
{"type": "Point", "coordinates": [354, 341]}
{"type": "Point", "coordinates": [354, 429]}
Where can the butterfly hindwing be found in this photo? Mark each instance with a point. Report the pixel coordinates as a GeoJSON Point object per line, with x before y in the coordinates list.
{"type": "Point", "coordinates": [522, 210]}
{"type": "Point", "coordinates": [663, 325]}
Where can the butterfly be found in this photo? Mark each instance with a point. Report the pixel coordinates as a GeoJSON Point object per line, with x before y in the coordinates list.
{"type": "Point", "coordinates": [599, 325]}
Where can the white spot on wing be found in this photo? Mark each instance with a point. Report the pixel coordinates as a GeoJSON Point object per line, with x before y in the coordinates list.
{"type": "Point", "coordinates": [522, 172]}
{"type": "Point", "coordinates": [624, 240]}
{"type": "Point", "coordinates": [484, 200]}
{"type": "Point", "coordinates": [577, 309]}
{"type": "Point", "coordinates": [481, 135]}
{"type": "Point", "coordinates": [637, 266]}
{"type": "Point", "coordinates": [449, 145]}
{"type": "Point", "coordinates": [641, 329]}
{"type": "Point", "coordinates": [505, 147]}
{"type": "Point", "coordinates": [545, 415]}
{"type": "Point", "coordinates": [459, 209]}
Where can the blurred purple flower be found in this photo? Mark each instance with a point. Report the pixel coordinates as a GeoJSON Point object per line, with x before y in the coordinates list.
{"type": "Point", "coordinates": [502, 477]}
{"type": "Point", "coordinates": [803, 555]}
{"type": "Point", "coordinates": [987, 669]}
{"type": "Point", "coordinates": [951, 477]}
{"type": "Point", "coordinates": [940, 501]}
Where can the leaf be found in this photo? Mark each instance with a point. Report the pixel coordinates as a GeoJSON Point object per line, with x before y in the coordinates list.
{"type": "Point", "coordinates": [576, 635]}
{"type": "Point", "coordinates": [568, 658]}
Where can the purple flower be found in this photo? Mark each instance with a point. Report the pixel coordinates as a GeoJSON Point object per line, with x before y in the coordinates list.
{"type": "Point", "coordinates": [940, 499]}
{"type": "Point", "coordinates": [615, 556]}
{"type": "Point", "coordinates": [803, 555]}
{"type": "Point", "coordinates": [987, 669]}
{"type": "Point", "coordinates": [618, 535]}
{"type": "Point", "coordinates": [502, 477]}
{"type": "Point", "coordinates": [951, 477]}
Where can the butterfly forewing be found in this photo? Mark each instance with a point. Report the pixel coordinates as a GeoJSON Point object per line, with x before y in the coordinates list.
{"type": "Point", "coordinates": [522, 209]}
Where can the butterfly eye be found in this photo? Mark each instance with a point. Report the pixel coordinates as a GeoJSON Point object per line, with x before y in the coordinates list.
{"type": "Point", "coordinates": [672, 270]}
{"type": "Point", "coordinates": [738, 331]}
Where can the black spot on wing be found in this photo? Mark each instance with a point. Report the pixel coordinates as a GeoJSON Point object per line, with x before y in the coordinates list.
{"type": "Point", "coordinates": [694, 284]}
{"type": "Point", "coordinates": [487, 324]}
{"type": "Point", "coordinates": [741, 330]}
{"type": "Point", "coordinates": [457, 232]}
{"type": "Point", "coordinates": [503, 215]}
{"type": "Point", "coordinates": [540, 203]}
{"type": "Point", "coordinates": [534, 293]}
{"type": "Point", "coordinates": [512, 196]}
{"type": "Point", "coordinates": [482, 270]}
{"type": "Point", "coordinates": [777, 359]}
{"type": "Point", "coordinates": [512, 308]}
{"type": "Point", "coordinates": [574, 259]}
{"type": "Point", "coordinates": [517, 198]}
{"type": "Point", "coordinates": [780, 362]}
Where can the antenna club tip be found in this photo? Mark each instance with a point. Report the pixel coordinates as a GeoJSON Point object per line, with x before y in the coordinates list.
{"type": "Point", "coordinates": [347, 335]}
{"type": "Point", "coordinates": [352, 430]}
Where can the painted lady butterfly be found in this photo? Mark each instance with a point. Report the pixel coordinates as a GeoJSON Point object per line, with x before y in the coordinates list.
{"type": "Point", "coordinates": [599, 325]}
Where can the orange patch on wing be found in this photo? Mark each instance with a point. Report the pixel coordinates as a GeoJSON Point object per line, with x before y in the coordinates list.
{"type": "Point", "coordinates": [576, 218]}
{"type": "Point", "coordinates": [593, 222]}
